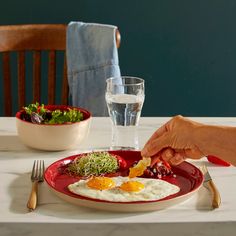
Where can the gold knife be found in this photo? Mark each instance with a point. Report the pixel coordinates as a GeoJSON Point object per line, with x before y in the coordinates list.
{"type": "Point", "coordinates": [209, 184]}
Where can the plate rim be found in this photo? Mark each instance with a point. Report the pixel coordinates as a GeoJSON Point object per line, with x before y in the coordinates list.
{"type": "Point", "coordinates": [83, 198]}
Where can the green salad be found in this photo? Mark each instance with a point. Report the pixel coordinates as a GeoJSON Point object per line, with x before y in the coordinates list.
{"type": "Point", "coordinates": [39, 114]}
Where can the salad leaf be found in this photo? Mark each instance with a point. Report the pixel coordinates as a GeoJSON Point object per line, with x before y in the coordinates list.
{"type": "Point", "coordinates": [31, 108]}
{"type": "Point", "coordinates": [37, 113]}
{"type": "Point", "coordinates": [60, 117]}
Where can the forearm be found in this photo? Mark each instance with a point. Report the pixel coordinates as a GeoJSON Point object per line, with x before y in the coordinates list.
{"type": "Point", "coordinates": [219, 141]}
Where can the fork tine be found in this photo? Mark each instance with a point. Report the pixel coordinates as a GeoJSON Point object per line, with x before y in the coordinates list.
{"type": "Point", "coordinates": [38, 170]}
{"type": "Point", "coordinates": [36, 177]}
{"type": "Point", "coordinates": [41, 170]}
{"type": "Point", "coordinates": [34, 169]}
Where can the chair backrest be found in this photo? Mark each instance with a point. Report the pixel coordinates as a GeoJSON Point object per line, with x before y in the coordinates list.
{"type": "Point", "coordinates": [36, 39]}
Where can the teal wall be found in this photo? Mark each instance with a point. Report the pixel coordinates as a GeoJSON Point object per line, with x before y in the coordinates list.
{"type": "Point", "coordinates": [184, 49]}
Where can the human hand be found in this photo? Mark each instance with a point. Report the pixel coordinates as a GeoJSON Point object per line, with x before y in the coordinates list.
{"type": "Point", "coordinates": [174, 142]}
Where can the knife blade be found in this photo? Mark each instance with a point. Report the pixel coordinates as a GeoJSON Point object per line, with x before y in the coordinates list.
{"type": "Point", "coordinates": [209, 184]}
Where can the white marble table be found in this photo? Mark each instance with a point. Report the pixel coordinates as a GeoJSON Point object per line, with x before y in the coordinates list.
{"type": "Point", "coordinates": [56, 217]}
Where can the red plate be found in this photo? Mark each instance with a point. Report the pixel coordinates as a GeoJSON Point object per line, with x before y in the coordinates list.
{"type": "Point", "coordinates": [188, 177]}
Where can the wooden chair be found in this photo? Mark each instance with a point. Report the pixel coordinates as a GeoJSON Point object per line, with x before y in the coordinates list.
{"type": "Point", "coordinates": [35, 38]}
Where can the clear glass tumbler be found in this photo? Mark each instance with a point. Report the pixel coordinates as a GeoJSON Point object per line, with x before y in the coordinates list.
{"type": "Point", "coordinates": [125, 98]}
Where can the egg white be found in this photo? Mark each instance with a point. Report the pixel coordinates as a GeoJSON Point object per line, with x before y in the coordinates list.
{"type": "Point", "coordinates": [154, 189]}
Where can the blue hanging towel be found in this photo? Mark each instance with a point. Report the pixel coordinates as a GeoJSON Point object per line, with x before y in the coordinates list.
{"type": "Point", "coordinates": [92, 57]}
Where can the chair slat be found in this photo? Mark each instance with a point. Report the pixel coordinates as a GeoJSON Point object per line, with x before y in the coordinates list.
{"type": "Point", "coordinates": [51, 77]}
{"type": "Point", "coordinates": [34, 38]}
{"type": "Point", "coordinates": [65, 89]}
{"type": "Point", "coordinates": [21, 79]}
{"type": "Point", "coordinates": [7, 84]}
{"type": "Point", "coordinates": [36, 76]}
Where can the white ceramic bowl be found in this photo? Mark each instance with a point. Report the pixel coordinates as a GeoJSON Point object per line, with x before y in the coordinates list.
{"type": "Point", "coordinates": [53, 137]}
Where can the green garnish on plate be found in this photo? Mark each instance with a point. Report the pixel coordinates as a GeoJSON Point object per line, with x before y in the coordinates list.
{"type": "Point", "coordinates": [95, 163]}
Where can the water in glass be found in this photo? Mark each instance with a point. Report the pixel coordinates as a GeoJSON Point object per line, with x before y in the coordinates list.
{"type": "Point", "coordinates": [125, 97]}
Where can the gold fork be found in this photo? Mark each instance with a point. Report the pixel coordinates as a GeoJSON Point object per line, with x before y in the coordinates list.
{"type": "Point", "coordinates": [36, 177]}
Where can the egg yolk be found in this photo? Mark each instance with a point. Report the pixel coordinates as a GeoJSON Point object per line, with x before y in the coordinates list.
{"type": "Point", "coordinates": [101, 183]}
{"type": "Point", "coordinates": [132, 186]}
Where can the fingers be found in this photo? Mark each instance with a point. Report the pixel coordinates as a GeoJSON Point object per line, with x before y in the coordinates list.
{"type": "Point", "coordinates": [171, 142]}
{"type": "Point", "coordinates": [194, 153]}
{"type": "Point", "coordinates": [177, 159]}
{"type": "Point", "coordinates": [154, 160]}
{"type": "Point", "coordinates": [169, 155]}
{"type": "Point", "coordinates": [166, 154]}
{"type": "Point", "coordinates": [155, 146]}
{"type": "Point", "coordinates": [158, 133]}
{"type": "Point", "coordinates": [173, 157]}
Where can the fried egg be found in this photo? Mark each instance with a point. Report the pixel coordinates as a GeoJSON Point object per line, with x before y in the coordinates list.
{"type": "Point", "coordinates": [123, 189]}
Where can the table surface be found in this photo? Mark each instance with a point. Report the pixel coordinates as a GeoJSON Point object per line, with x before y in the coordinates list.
{"type": "Point", "coordinates": [193, 215]}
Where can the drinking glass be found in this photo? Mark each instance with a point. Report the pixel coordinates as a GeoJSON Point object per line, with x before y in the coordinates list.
{"type": "Point", "coordinates": [124, 98]}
